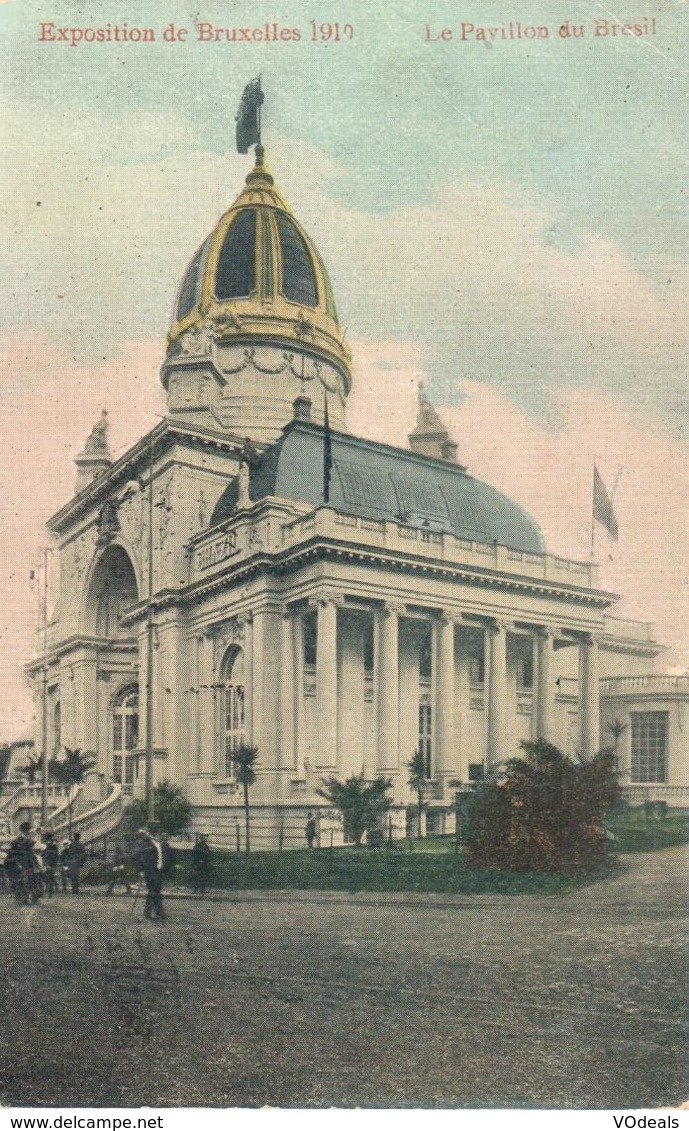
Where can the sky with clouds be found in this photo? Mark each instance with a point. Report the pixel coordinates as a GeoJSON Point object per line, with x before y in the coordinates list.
{"type": "Point", "coordinates": [505, 221]}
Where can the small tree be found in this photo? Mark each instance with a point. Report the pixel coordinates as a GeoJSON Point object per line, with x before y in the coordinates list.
{"type": "Point", "coordinates": [417, 780]}
{"type": "Point", "coordinates": [616, 728]}
{"type": "Point", "coordinates": [171, 809]}
{"type": "Point", "coordinates": [545, 814]}
{"type": "Point", "coordinates": [70, 771]}
{"type": "Point", "coordinates": [362, 803]}
{"type": "Point", "coordinates": [244, 758]}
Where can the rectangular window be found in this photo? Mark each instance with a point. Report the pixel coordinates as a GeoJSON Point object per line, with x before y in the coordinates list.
{"type": "Point", "coordinates": [310, 624]}
{"type": "Point", "coordinates": [475, 646]}
{"type": "Point", "coordinates": [649, 746]}
{"type": "Point", "coordinates": [425, 744]}
{"type": "Point", "coordinates": [476, 675]}
{"type": "Point", "coordinates": [117, 768]}
{"type": "Point", "coordinates": [131, 727]}
{"type": "Point", "coordinates": [525, 672]}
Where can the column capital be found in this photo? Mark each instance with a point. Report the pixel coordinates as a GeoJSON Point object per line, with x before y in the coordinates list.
{"type": "Point", "coordinates": [544, 632]}
{"type": "Point", "coordinates": [324, 599]}
{"type": "Point", "coordinates": [449, 616]}
{"type": "Point", "coordinates": [397, 607]}
{"type": "Point", "coordinates": [500, 625]}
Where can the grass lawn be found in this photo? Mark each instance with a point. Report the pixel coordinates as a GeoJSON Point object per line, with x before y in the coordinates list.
{"type": "Point", "coordinates": [634, 831]}
{"type": "Point", "coordinates": [367, 869]}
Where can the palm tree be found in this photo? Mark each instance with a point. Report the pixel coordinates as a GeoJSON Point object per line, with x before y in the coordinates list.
{"type": "Point", "coordinates": [417, 780]}
{"type": "Point", "coordinates": [616, 729]}
{"type": "Point", "coordinates": [244, 759]}
{"type": "Point", "coordinates": [71, 770]}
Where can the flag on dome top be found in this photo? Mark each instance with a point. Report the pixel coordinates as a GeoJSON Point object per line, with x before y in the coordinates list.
{"type": "Point", "coordinates": [602, 505]}
{"type": "Point", "coordinates": [248, 116]}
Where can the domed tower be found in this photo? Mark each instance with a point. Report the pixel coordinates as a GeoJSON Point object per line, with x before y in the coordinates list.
{"type": "Point", "coordinates": [255, 323]}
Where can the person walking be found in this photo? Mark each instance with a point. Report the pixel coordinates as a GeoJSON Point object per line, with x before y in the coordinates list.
{"type": "Point", "coordinates": [201, 866]}
{"type": "Point", "coordinates": [51, 861]}
{"type": "Point", "coordinates": [310, 831]}
{"type": "Point", "coordinates": [150, 862]}
{"type": "Point", "coordinates": [75, 857]}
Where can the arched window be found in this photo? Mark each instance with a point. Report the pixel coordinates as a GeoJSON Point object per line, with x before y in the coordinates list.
{"type": "Point", "coordinates": [125, 736]}
{"type": "Point", "coordinates": [113, 590]}
{"type": "Point", "coordinates": [233, 704]}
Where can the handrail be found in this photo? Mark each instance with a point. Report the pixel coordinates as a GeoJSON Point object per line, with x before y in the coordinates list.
{"type": "Point", "coordinates": [100, 820]}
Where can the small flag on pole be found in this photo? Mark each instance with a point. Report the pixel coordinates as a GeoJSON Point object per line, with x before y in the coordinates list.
{"type": "Point", "coordinates": [327, 453]}
{"type": "Point", "coordinates": [602, 506]}
{"type": "Point", "coordinates": [248, 116]}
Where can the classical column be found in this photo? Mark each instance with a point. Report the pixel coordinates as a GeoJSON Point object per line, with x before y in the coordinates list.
{"type": "Point", "coordinates": [326, 682]}
{"type": "Point", "coordinates": [287, 681]}
{"type": "Point", "coordinates": [497, 695]}
{"type": "Point", "coordinates": [445, 698]}
{"type": "Point", "coordinates": [545, 688]}
{"type": "Point", "coordinates": [388, 693]}
{"type": "Point", "coordinates": [206, 710]}
{"type": "Point", "coordinates": [589, 704]}
{"type": "Point", "coordinates": [298, 676]}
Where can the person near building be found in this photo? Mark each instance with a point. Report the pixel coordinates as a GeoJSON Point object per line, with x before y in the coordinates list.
{"type": "Point", "coordinates": [75, 857]}
{"type": "Point", "coordinates": [51, 862]}
{"type": "Point", "coordinates": [310, 831]}
{"type": "Point", "coordinates": [201, 866]}
{"type": "Point", "coordinates": [64, 865]}
{"type": "Point", "coordinates": [150, 862]}
{"type": "Point", "coordinates": [23, 868]}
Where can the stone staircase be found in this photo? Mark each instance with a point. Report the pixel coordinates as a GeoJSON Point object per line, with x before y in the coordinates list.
{"type": "Point", "coordinates": [93, 818]}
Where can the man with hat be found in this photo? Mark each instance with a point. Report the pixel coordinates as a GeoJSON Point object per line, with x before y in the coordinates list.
{"type": "Point", "coordinates": [150, 861]}
{"type": "Point", "coordinates": [22, 866]}
{"type": "Point", "coordinates": [51, 859]}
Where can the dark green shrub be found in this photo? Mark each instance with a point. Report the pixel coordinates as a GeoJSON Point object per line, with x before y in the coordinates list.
{"type": "Point", "coordinates": [545, 814]}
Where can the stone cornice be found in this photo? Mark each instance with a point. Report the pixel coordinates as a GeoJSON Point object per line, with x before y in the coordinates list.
{"type": "Point", "coordinates": [315, 549]}
{"type": "Point", "coordinates": [95, 643]}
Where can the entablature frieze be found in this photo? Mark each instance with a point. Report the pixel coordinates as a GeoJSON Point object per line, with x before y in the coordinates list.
{"type": "Point", "coordinates": [281, 563]}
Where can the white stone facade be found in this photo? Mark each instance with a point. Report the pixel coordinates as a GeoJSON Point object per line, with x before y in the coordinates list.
{"type": "Point", "coordinates": [335, 640]}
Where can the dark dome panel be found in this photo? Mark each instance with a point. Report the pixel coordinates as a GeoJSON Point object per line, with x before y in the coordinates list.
{"type": "Point", "coordinates": [298, 277]}
{"type": "Point", "coordinates": [236, 274]}
{"type": "Point", "coordinates": [189, 291]}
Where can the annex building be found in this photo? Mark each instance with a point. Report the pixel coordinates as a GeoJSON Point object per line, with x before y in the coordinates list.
{"type": "Point", "coordinates": [249, 571]}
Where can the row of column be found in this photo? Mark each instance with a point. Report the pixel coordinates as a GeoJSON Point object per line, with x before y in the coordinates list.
{"type": "Point", "coordinates": [274, 676]}
{"type": "Point", "coordinates": [387, 697]}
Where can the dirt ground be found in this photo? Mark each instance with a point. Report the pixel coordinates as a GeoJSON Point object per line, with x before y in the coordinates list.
{"type": "Point", "coordinates": [319, 1000]}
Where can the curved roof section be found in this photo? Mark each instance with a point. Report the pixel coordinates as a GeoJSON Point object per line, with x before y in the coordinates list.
{"type": "Point", "coordinates": [259, 275]}
{"type": "Point", "coordinates": [376, 481]}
